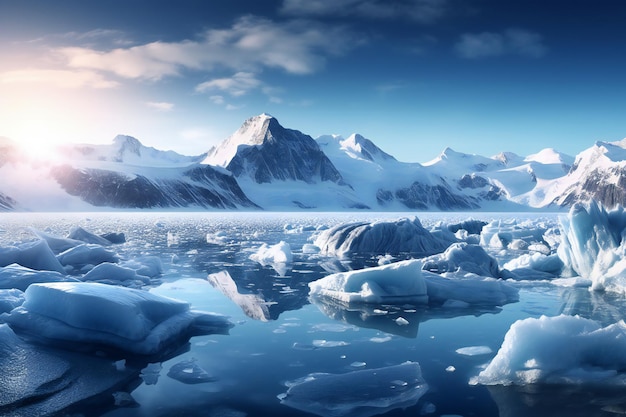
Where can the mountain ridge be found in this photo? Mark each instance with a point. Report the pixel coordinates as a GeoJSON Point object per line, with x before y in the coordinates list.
{"type": "Point", "coordinates": [264, 165]}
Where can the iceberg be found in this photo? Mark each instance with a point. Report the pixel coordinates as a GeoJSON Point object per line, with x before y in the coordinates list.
{"type": "Point", "coordinates": [277, 256]}
{"type": "Point", "coordinates": [559, 350]}
{"type": "Point", "coordinates": [361, 393]}
{"type": "Point", "coordinates": [401, 282]}
{"type": "Point", "coordinates": [406, 282]}
{"type": "Point", "coordinates": [78, 233]}
{"type": "Point", "coordinates": [403, 236]}
{"type": "Point", "coordinates": [86, 254]}
{"type": "Point", "coordinates": [136, 321]}
{"type": "Point", "coordinates": [108, 273]}
{"type": "Point", "coordinates": [534, 266]}
{"type": "Point", "coordinates": [9, 299]}
{"type": "Point", "coordinates": [594, 247]}
{"type": "Point", "coordinates": [500, 234]}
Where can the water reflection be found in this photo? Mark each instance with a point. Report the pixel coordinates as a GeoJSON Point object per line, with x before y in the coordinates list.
{"type": "Point", "coordinates": [605, 308]}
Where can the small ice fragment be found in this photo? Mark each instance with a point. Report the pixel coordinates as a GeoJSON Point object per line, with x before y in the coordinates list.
{"type": "Point", "coordinates": [379, 311]}
{"type": "Point", "coordinates": [329, 343]}
{"type": "Point", "coordinates": [124, 399]}
{"type": "Point", "coordinates": [401, 321]}
{"type": "Point", "coordinates": [428, 408]}
{"type": "Point", "coordinates": [380, 339]}
{"type": "Point", "coordinates": [189, 372]}
{"type": "Point", "coordinates": [358, 364]}
{"type": "Point", "coordinates": [120, 365]}
{"type": "Point", "coordinates": [279, 330]}
{"type": "Point", "coordinates": [150, 374]}
{"type": "Point", "coordinates": [450, 369]}
{"type": "Point", "coordinates": [474, 350]}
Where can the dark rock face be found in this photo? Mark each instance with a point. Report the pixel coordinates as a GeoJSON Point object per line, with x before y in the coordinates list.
{"type": "Point", "coordinates": [473, 181]}
{"type": "Point", "coordinates": [420, 196]}
{"type": "Point", "coordinates": [6, 203]}
{"type": "Point", "coordinates": [284, 154]}
{"type": "Point", "coordinates": [200, 185]}
{"type": "Point", "coordinates": [607, 187]}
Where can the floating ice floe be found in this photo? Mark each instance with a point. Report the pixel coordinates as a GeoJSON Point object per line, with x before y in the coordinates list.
{"type": "Point", "coordinates": [108, 273]}
{"type": "Point", "coordinates": [502, 234]}
{"type": "Point", "coordinates": [462, 258]}
{"type": "Point", "coordinates": [559, 350]}
{"type": "Point", "coordinates": [78, 233]}
{"type": "Point", "coordinates": [533, 266]}
{"type": "Point", "coordinates": [406, 282]}
{"type": "Point", "coordinates": [20, 277]}
{"type": "Point", "coordinates": [136, 321]}
{"type": "Point", "coordinates": [403, 236]}
{"type": "Point", "coordinates": [277, 256]}
{"type": "Point", "coordinates": [189, 372]}
{"type": "Point", "coordinates": [594, 245]}
{"type": "Point", "coordinates": [34, 255]}
{"type": "Point", "coordinates": [361, 393]}
{"type": "Point", "coordinates": [86, 254]}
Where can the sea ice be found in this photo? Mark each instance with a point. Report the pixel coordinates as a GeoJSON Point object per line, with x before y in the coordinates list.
{"type": "Point", "coordinates": [96, 314]}
{"type": "Point", "coordinates": [108, 273]}
{"type": "Point", "coordinates": [9, 299]}
{"type": "Point", "coordinates": [593, 245]}
{"type": "Point", "coordinates": [189, 372]}
{"type": "Point", "coordinates": [395, 283]}
{"type": "Point", "coordinates": [35, 255]}
{"type": "Point", "coordinates": [499, 234]}
{"type": "Point", "coordinates": [403, 236]}
{"type": "Point", "coordinates": [560, 350]}
{"type": "Point", "coordinates": [86, 254]}
{"type": "Point", "coordinates": [360, 393]}
{"type": "Point", "coordinates": [78, 233]}
{"type": "Point", "coordinates": [462, 257]}
{"type": "Point", "coordinates": [474, 350]}
{"type": "Point", "coordinates": [406, 282]}
{"type": "Point", "coordinates": [20, 277]}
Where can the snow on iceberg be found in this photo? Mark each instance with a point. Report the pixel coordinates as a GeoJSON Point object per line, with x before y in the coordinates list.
{"type": "Point", "coordinates": [35, 255]}
{"type": "Point", "coordinates": [558, 350]}
{"type": "Point", "coordinates": [361, 393]}
{"type": "Point", "coordinates": [500, 234]}
{"type": "Point", "coordinates": [95, 314]}
{"type": "Point", "coordinates": [533, 266]}
{"type": "Point", "coordinates": [402, 236]}
{"type": "Point", "coordinates": [277, 256]}
{"type": "Point", "coordinates": [462, 257]}
{"type": "Point", "coordinates": [594, 245]}
{"type": "Point", "coordinates": [406, 282]}
{"type": "Point", "coordinates": [400, 282]}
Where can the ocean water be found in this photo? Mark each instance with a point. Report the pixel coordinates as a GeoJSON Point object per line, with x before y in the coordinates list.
{"type": "Point", "coordinates": [281, 337]}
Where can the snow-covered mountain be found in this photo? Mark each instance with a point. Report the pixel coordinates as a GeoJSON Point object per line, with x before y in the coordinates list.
{"type": "Point", "coordinates": [264, 165]}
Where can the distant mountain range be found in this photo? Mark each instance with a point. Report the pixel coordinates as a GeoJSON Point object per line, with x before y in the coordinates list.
{"type": "Point", "coordinates": [266, 166]}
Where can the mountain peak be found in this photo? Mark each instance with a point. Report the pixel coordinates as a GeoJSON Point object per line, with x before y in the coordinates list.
{"type": "Point", "coordinates": [365, 148]}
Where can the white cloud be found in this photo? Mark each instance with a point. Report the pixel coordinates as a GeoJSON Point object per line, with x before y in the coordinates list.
{"type": "Point", "coordinates": [217, 99]}
{"type": "Point", "coordinates": [57, 78]}
{"type": "Point", "coordinates": [511, 42]}
{"type": "Point", "coordinates": [423, 11]}
{"type": "Point", "coordinates": [239, 84]}
{"type": "Point", "coordinates": [251, 44]}
{"type": "Point", "coordinates": [160, 105]}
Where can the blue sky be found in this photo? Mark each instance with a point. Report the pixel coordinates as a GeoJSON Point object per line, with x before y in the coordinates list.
{"type": "Point", "coordinates": [415, 76]}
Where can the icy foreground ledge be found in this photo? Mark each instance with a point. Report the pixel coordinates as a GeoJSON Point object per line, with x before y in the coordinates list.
{"type": "Point", "coordinates": [131, 320]}
{"type": "Point", "coordinates": [406, 282]}
{"type": "Point", "coordinates": [559, 350]}
{"type": "Point", "coordinates": [594, 246]}
{"type": "Point", "coordinates": [359, 393]}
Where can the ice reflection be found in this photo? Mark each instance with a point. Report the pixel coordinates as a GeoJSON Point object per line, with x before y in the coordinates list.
{"type": "Point", "coordinates": [605, 308]}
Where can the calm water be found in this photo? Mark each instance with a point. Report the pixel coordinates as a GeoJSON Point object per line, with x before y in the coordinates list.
{"type": "Point", "coordinates": [280, 336]}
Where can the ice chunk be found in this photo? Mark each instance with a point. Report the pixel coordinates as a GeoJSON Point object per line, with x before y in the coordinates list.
{"type": "Point", "coordinates": [463, 257]}
{"type": "Point", "coordinates": [278, 253]}
{"type": "Point", "coordinates": [92, 313]}
{"type": "Point", "coordinates": [403, 236]}
{"type": "Point", "coordinates": [469, 291]}
{"type": "Point", "coordinates": [56, 244]}
{"type": "Point", "coordinates": [594, 246]}
{"type": "Point", "coordinates": [474, 350]}
{"type": "Point", "coordinates": [9, 299]}
{"type": "Point", "coordinates": [17, 276]}
{"type": "Point", "coordinates": [499, 234]}
{"type": "Point", "coordinates": [115, 237]}
{"type": "Point", "coordinates": [277, 256]}
{"type": "Point", "coordinates": [35, 255]}
{"type": "Point", "coordinates": [406, 282]}
{"type": "Point", "coordinates": [561, 350]}
{"type": "Point", "coordinates": [189, 372]}
{"type": "Point", "coordinates": [114, 274]}
{"type": "Point", "coordinates": [535, 266]}
{"type": "Point", "coordinates": [361, 393]}
{"type": "Point", "coordinates": [309, 248]}
{"type": "Point", "coordinates": [151, 373]}
{"type": "Point", "coordinates": [86, 254]}
{"type": "Point", "coordinates": [395, 283]}
{"type": "Point", "coordinates": [148, 266]}
{"type": "Point", "coordinates": [78, 233]}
